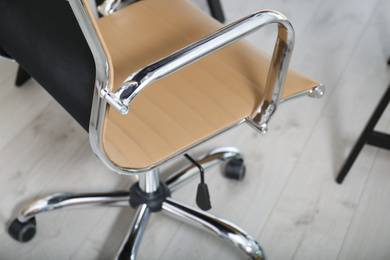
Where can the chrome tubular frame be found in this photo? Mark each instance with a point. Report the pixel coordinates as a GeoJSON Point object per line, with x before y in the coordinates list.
{"type": "Point", "coordinates": [130, 245]}
{"type": "Point", "coordinates": [122, 98]}
{"type": "Point", "coordinates": [70, 200]}
{"type": "Point", "coordinates": [136, 82]}
{"type": "Point", "coordinates": [216, 226]}
{"type": "Point", "coordinates": [148, 182]}
{"type": "Point", "coordinates": [102, 81]}
{"type": "Point", "coordinates": [108, 7]}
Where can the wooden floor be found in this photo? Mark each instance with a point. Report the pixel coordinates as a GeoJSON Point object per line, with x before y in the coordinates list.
{"type": "Point", "coordinates": [288, 201]}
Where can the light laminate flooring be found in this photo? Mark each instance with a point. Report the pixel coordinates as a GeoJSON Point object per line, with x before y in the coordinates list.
{"type": "Point", "coordinates": [288, 200]}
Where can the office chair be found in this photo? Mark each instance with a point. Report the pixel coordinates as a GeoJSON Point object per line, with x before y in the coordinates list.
{"type": "Point", "coordinates": [203, 82]}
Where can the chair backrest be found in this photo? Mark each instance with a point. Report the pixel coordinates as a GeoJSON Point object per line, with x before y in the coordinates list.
{"type": "Point", "coordinates": [3, 53]}
{"type": "Point", "coordinates": [44, 37]}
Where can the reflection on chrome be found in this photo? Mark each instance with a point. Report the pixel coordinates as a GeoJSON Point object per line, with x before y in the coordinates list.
{"type": "Point", "coordinates": [216, 226]}
{"type": "Point", "coordinates": [108, 7]}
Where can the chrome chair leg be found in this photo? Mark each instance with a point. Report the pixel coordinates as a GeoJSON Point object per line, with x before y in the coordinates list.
{"type": "Point", "coordinates": [214, 157]}
{"type": "Point", "coordinates": [129, 247]}
{"type": "Point", "coordinates": [216, 226]}
{"type": "Point", "coordinates": [71, 200]}
{"type": "Point", "coordinates": [23, 228]}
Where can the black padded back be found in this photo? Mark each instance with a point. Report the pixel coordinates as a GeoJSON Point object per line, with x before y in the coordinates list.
{"type": "Point", "coordinates": [44, 37]}
{"type": "Point", "coordinates": [3, 53]}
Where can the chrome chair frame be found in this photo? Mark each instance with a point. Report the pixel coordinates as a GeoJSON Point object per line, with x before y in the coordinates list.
{"type": "Point", "coordinates": [195, 217]}
{"type": "Point", "coordinates": [148, 179]}
{"type": "Point", "coordinates": [136, 82]}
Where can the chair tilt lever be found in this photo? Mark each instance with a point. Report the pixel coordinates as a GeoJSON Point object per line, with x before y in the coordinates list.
{"type": "Point", "coordinates": [202, 194]}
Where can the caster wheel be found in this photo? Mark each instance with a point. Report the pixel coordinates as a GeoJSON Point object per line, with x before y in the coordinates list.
{"type": "Point", "coordinates": [23, 232]}
{"type": "Point", "coordinates": [235, 169]}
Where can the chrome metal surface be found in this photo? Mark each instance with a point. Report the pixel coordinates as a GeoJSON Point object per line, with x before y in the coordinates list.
{"type": "Point", "coordinates": [149, 181]}
{"type": "Point", "coordinates": [262, 126]}
{"type": "Point", "coordinates": [73, 200]}
{"type": "Point", "coordinates": [214, 157]}
{"type": "Point", "coordinates": [190, 54]}
{"type": "Point", "coordinates": [315, 92]}
{"type": "Point", "coordinates": [102, 81]}
{"type": "Point", "coordinates": [216, 226]}
{"type": "Point", "coordinates": [276, 76]}
{"type": "Point", "coordinates": [318, 91]}
{"type": "Point", "coordinates": [129, 247]}
{"type": "Point", "coordinates": [136, 82]}
{"type": "Point", "coordinates": [108, 7]}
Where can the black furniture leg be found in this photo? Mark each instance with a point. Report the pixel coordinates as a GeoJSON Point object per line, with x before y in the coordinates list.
{"type": "Point", "coordinates": [368, 136]}
{"type": "Point", "coordinates": [21, 77]}
{"type": "Point", "coordinates": [216, 10]}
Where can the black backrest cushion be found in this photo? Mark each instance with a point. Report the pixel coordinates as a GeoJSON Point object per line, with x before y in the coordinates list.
{"type": "Point", "coordinates": [44, 37]}
{"type": "Point", "coordinates": [3, 53]}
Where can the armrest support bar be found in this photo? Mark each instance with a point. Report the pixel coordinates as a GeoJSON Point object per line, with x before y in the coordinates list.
{"type": "Point", "coordinates": [136, 82]}
{"type": "Point", "coordinates": [108, 7]}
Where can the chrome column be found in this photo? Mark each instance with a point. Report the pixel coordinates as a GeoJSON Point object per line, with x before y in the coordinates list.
{"type": "Point", "coordinates": [149, 181]}
{"type": "Point", "coordinates": [216, 226]}
{"type": "Point", "coordinates": [73, 200]}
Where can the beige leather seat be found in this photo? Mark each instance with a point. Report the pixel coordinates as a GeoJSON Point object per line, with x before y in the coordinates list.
{"type": "Point", "coordinates": [187, 106]}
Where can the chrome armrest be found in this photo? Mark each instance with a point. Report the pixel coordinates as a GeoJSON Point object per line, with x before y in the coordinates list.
{"type": "Point", "coordinates": [122, 98]}
{"type": "Point", "coordinates": [136, 82]}
{"type": "Point", "coordinates": [108, 7]}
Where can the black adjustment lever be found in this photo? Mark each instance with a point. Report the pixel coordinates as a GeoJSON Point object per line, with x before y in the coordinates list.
{"type": "Point", "coordinates": [202, 195]}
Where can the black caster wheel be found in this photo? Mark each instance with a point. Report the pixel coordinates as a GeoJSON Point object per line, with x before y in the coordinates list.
{"type": "Point", "coordinates": [23, 232]}
{"type": "Point", "coordinates": [235, 169]}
